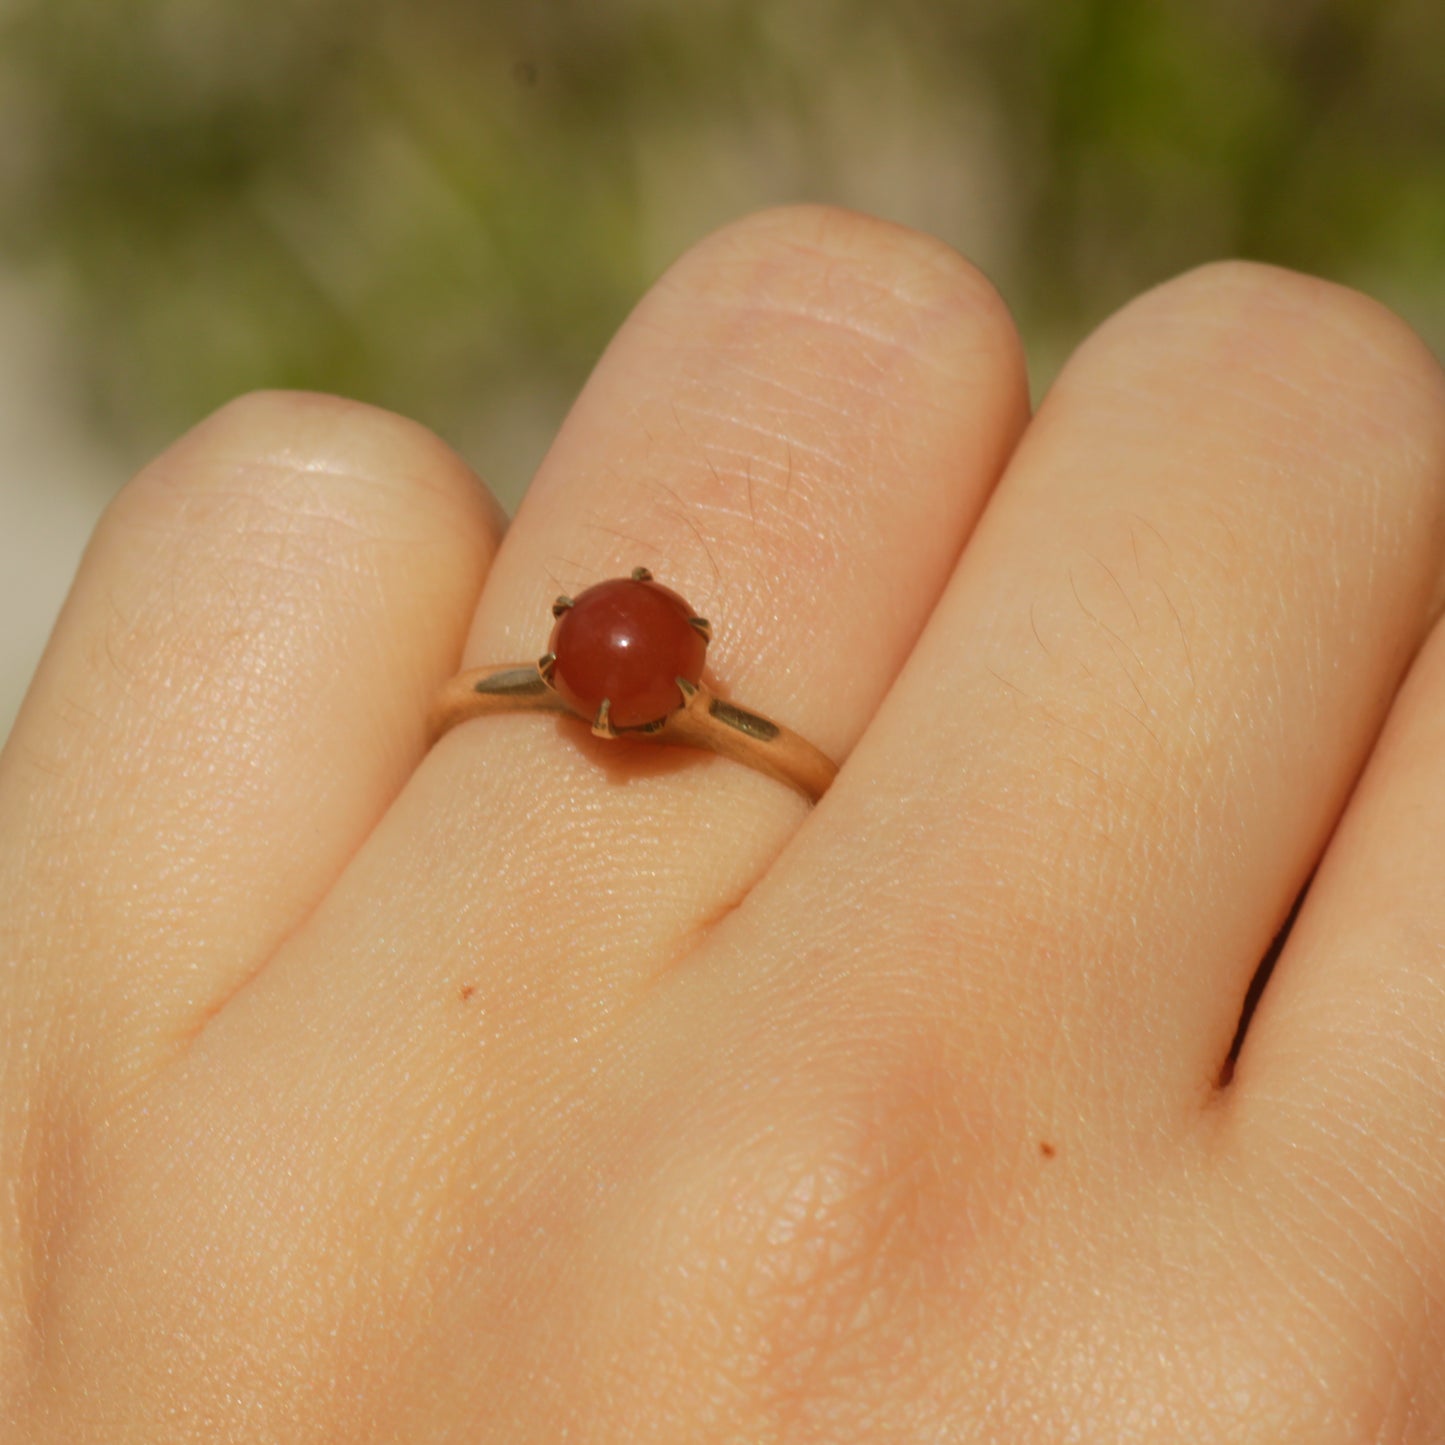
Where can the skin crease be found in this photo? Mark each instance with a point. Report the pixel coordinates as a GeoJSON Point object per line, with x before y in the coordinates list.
{"type": "Point", "coordinates": [540, 1088]}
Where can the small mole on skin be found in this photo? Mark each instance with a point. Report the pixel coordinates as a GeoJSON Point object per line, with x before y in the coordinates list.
{"type": "Point", "coordinates": [467, 990]}
{"type": "Point", "coordinates": [1047, 1149]}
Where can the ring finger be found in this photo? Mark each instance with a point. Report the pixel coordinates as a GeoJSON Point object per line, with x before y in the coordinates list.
{"type": "Point", "coordinates": [795, 430]}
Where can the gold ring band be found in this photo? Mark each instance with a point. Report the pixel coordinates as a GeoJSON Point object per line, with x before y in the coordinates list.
{"type": "Point", "coordinates": [692, 715]}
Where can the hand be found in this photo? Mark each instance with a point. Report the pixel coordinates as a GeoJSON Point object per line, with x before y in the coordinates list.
{"type": "Point", "coordinates": [545, 1089]}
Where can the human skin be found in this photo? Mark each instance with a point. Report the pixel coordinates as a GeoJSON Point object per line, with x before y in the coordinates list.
{"type": "Point", "coordinates": [536, 1088]}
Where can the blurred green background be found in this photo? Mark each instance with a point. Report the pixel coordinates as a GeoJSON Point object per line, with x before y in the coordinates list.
{"type": "Point", "coordinates": [446, 208]}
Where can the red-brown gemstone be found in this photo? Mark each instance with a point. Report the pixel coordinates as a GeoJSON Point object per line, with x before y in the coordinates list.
{"type": "Point", "coordinates": [627, 641]}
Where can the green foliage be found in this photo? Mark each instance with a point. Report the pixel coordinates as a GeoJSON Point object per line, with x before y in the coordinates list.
{"type": "Point", "coordinates": [447, 207]}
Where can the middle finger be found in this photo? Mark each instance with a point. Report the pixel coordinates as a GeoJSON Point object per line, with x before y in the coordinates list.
{"type": "Point", "coordinates": [1118, 750]}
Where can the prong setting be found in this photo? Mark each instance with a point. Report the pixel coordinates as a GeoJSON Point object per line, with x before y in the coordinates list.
{"type": "Point", "coordinates": [622, 643]}
{"type": "Point", "coordinates": [639, 652]}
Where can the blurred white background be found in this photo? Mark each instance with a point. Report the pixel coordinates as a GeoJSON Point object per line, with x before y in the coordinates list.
{"type": "Point", "coordinates": [54, 481]}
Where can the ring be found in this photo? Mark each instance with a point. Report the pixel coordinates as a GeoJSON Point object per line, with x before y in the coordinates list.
{"type": "Point", "coordinates": [627, 657]}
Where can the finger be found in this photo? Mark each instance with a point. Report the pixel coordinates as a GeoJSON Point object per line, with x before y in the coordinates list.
{"type": "Point", "coordinates": [235, 690]}
{"type": "Point", "coordinates": [1341, 1081]}
{"type": "Point", "coordinates": [797, 428]}
{"type": "Point", "coordinates": [799, 425]}
{"type": "Point", "coordinates": [795, 431]}
{"type": "Point", "coordinates": [1118, 751]}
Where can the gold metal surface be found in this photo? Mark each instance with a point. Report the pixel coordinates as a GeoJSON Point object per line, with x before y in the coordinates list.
{"type": "Point", "coordinates": [704, 721]}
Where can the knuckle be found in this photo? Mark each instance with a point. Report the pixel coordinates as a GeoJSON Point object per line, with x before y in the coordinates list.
{"type": "Point", "coordinates": [887, 285]}
{"type": "Point", "coordinates": [303, 461]}
{"type": "Point", "coordinates": [1265, 324]}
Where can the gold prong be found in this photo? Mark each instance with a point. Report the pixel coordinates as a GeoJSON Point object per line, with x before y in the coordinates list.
{"type": "Point", "coordinates": [560, 606]}
{"type": "Point", "coordinates": [641, 574]}
{"type": "Point", "coordinates": [602, 723]}
{"type": "Point", "coordinates": [686, 688]}
{"type": "Point", "coordinates": [546, 664]}
{"type": "Point", "coordinates": [702, 625]}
